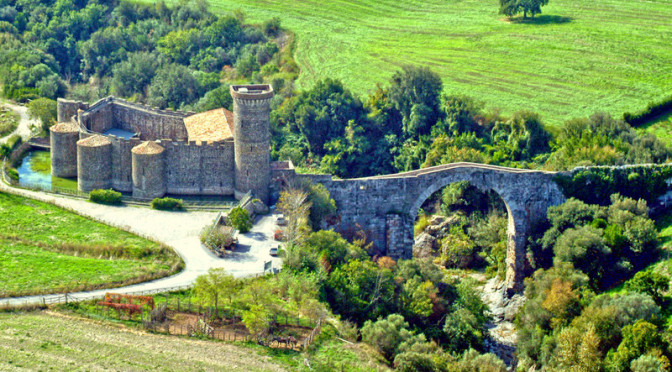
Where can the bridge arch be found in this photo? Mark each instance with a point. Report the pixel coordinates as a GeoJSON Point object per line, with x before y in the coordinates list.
{"type": "Point", "coordinates": [515, 256]}
{"type": "Point", "coordinates": [385, 207]}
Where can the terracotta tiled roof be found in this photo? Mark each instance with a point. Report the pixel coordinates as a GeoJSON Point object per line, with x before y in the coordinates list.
{"type": "Point", "coordinates": [94, 141]}
{"type": "Point", "coordinates": [147, 148]}
{"type": "Point", "coordinates": [210, 126]}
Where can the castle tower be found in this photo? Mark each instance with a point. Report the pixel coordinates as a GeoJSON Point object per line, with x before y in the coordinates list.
{"type": "Point", "coordinates": [148, 170]}
{"type": "Point", "coordinates": [252, 137]}
{"type": "Point", "coordinates": [94, 163]}
{"type": "Point", "coordinates": [63, 140]}
{"type": "Point", "coordinates": [66, 109]}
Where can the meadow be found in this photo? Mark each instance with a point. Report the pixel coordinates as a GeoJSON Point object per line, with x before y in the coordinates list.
{"type": "Point", "coordinates": [661, 127]}
{"type": "Point", "coordinates": [39, 341]}
{"type": "Point", "coordinates": [578, 57]}
{"type": "Point", "coordinates": [46, 249]}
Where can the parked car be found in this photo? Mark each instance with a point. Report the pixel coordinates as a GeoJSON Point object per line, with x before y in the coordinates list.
{"type": "Point", "coordinates": [274, 251]}
{"type": "Point", "coordinates": [281, 221]}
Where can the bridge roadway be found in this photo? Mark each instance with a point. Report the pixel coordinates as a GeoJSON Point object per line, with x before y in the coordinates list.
{"type": "Point", "coordinates": [445, 167]}
{"type": "Point", "coordinates": [178, 230]}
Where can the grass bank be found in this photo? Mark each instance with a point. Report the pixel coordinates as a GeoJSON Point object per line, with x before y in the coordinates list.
{"type": "Point", "coordinates": [8, 121]}
{"type": "Point", "coordinates": [578, 57]}
{"type": "Point", "coordinates": [46, 249]}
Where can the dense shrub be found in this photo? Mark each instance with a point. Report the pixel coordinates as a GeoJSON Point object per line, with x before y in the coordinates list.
{"type": "Point", "coordinates": [168, 204]}
{"type": "Point", "coordinates": [651, 111]}
{"type": "Point", "coordinates": [595, 185]}
{"type": "Point", "coordinates": [110, 197]}
{"type": "Point", "coordinates": [240, 219]}
{"type": "Point", "coordinates": [218, 238]}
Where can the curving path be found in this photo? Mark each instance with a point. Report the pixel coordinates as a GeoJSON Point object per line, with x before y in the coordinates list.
{"type": "Point", "coordinates": [179, 230]}
{"type": "Point", "coordinates": [25, 122]}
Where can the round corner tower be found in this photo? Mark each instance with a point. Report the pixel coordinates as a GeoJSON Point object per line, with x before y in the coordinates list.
{"type": "Point", "coordinates": [252, 137]}
{"type": "Point", "coordinates": [94, 163]}
{"type": "Point", "coordinates": [148, 170]}
{"type": "Point", "coordinates": [63, 140]}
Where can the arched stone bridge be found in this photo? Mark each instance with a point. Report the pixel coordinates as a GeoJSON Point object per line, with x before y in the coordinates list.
{"type": "Point", "coordinates": [386, 206]}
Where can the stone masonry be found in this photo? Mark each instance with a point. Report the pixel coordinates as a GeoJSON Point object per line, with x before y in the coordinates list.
{"type": "Point", "coordinates": [385, 207]}
{"type": "Point", "coordinates": [150, 152]}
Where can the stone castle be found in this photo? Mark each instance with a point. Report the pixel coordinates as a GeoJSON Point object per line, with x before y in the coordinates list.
{"type": "Point", "coordinates": [148, 152]}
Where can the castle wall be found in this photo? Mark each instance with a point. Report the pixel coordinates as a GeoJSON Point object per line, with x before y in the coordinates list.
{"type": "Point", "coordinates": [150, 125]}
{"type": "Point", "coordinates": [194, 169]}
{"type": "Point", "coordinates": [121, 163]}
{"type": "Point", "coordinates": [98, 118]}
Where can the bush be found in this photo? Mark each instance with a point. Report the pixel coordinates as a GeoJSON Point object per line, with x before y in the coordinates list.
{"type": "Point", "coordinates": [651, 111]}
{"type": "Point", "coordinates": [595, 185]}
{"type": "Point", "coordinates": [13, 174]}
{"type": "Point", "coordinates": [167, 204]}
{"type": "Point", "coordinates": [110, 197]}
{"type": "Point", "coordinates": [218, 239]}
{"type": "Point", "coordinates": [240, 219]}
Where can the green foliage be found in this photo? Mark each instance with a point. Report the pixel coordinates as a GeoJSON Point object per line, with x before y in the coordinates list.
{"type": "Point", "coordinates": [271, 27]}
{"type": "Point", "coordinates": [638, 339]}
{"type": "Point", "coordinates": [122, 48]}
{"type": "Point", "coordinates": [9, 120]}
{"type": "Point", "coordinates": [649, 282]}
{"type": "Point", "coordinates": [360, 291]}
{"type": "Point", "coordinates": [217, 238]}
{"type": "Point", "coordinates": [608, 244]}
{"type": "Point", "coordinates": [240, 219]}
{"type": "Point", "coordinates": [513, 7]}
{"type": "Point", "coordinates": [595, 185]}
{"type": "Point", "coordinates": [215, 285]}
{"type": "Point", "coordinates": [167, 204]}
{"type": "Point", "coordinates": [651, 111]}
{"type": "Point", "coordinates": [415, 92]}
{"type": "Point", "coordinates": [321, 204]}
{"type": "Point", "coordinates": [43, 109]}
{"type": "Point", "coordinates": [110, 197]}
{"type": "Point", "coordinates": [172, 86]}
{"type": "Point", "coordinates": [386, 334]}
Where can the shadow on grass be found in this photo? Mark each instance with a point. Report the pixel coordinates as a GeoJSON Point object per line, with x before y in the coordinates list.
{"type": "Point", "coordinates": [541, 20]}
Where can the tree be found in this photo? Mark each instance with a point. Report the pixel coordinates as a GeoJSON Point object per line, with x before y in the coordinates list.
{"type": "Point", "coordinates": [173, 86]}
{"type": "Point", "coordinates": [217, 283]}
{"type": "Point", "coordinates": [359, 290]}
{"type": "Point", "coordinates": [649, 282]}
{"type": "Point", "coordinates": [134, 75]}
{"type": "Point", "coordinates": [415, 92]}
{"type": "Point", "coordinates": [294, 205]}
{"type": "Point", "coordinates": [386, 334]}
{"type": "Point", "coordinates": [43, 109]}
{"type": "Point", "coordinates": [240, 219]}
{"type": "Point", "coordinates": [513, 7]}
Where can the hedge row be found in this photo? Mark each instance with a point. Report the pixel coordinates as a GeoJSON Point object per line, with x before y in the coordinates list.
{"type": "Point", "coordinates": [651, 111]}
{"type": "Point", "coordinates": [595, 185]}
{"type": "Point", "coordinates": [110, 197]}
{"type": "Point", "coordinates": [168, 204]}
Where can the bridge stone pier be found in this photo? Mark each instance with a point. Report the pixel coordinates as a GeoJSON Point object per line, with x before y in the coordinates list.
{"type": "Point", "coordinates": [385, 207]}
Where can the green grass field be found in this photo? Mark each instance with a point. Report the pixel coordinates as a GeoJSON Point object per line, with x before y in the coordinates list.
{"type": "Point", "coordinates": [45, 249]}
{"type": "Point", "coordinates": [579, 57]}
{"type": "Point", "coordinates": [661, 127]}
{"type": "Point", "coordinates": [38, 341]}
